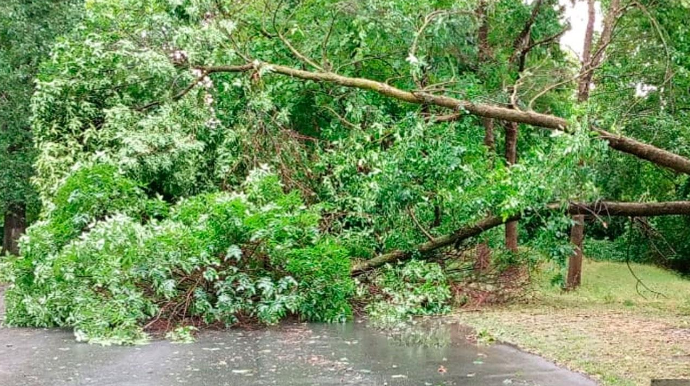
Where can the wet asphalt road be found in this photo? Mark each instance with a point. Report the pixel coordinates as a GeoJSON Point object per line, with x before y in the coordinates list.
{"type": "Point", "coordinates": [429, 354]}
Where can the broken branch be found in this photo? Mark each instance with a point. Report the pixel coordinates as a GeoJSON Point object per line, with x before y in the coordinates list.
{"type": "Point", "coordinates": [609, 208]}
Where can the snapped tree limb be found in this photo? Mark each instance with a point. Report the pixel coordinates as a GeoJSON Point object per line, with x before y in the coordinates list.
{"type": "Point", "coordinates": [480, 109]}
{"type": "Point", "coordinates": [631, 146]}
{"type": "Point", "coordinates": [599, 208]}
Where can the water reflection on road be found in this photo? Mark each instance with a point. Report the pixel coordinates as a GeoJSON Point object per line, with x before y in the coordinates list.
{"type": "Point", "coordinates": [432, 352]}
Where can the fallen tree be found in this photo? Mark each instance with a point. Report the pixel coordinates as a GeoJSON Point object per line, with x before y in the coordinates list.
{"type": "Point", "coordinates": [598, 208]}
{"type": "Point", "coordinates": [621, 143]}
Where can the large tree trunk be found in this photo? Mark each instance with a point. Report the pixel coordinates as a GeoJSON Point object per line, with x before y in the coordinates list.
{"type": "Point", "coordinates": [599, 208]}
{"type": "Point", "coordinates": [14, 226]}
{"type": "Point", "coordinates": [485, 55]}
{"type": "Point", "coordinates": [590, 61]}
{"type": "Point", "coordinates": [511, 231]}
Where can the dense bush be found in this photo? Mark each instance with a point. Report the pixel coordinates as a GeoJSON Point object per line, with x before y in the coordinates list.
{"type": "Point", "coordinates": [218, 257]}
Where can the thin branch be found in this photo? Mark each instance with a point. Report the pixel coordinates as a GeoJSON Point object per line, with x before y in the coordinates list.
{"type": "Point", "coordinates": [177, 96]}
{"type": "Point", "coordinates": [289, 45]}
{"type": "Point", "coordinates": [637, 278]}
{"type": "Point", "coordinates": [523, 36]}
{"type": "Point", "coordinates": [556, 85]}
{"type": "Point", "coordinates": [427, 20]}
{"type": "Point", "coordinates": [421, 228]}
{"type": "Point", "coordinates": [342, 119]}
{"type": "Point", "coordinates": [526, 50]}
{"type": "Point", "coordinates": [324, 46]}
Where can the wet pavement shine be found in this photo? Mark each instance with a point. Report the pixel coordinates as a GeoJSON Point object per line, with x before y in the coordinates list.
{"type": "Point", "coordinates": [291, 354]}
{"type": "Point", "coordinates": [431, 353]}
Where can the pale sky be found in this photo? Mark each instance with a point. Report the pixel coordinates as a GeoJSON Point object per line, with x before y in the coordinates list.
{"type": "Point", "coordinates": [573, 40]}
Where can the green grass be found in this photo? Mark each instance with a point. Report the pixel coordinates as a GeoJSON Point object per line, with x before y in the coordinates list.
{"type": "Point", "coordinates": [605, 328]}
{"type": "Point", "coordinates": [612, 283]}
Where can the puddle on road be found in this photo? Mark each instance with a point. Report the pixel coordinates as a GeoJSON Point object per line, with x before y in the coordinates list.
{"type": "Point", "coordinates": [430, 353]}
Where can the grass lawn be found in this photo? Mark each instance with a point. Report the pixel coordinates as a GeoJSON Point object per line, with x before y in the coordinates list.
{"type": "Point", "coordinates": [605, 328]}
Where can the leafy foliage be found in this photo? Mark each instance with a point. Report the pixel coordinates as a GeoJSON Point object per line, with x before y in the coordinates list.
{"type": "Point", "coordinates": [27, 29]}
{"type": "Point", "coordinates": [177, 190]}
{"type": "Point", "coordinates": [217, 258]}
{"type": "Point", "coordinates": [416, 288]}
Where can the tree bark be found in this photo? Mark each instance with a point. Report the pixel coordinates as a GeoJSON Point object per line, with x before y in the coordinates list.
{"type": "Point", "coordinates": [645, 151]}
{"type": "Point", "coordinates": [577, 232]}
{"type": "Point", "coordinates": [521, 42]}
{"type": "Point", "coordinates": [485, 55]}
{"type": "Point", "coordinates": [593, 59]}
{"type": "Point", "coordinates": [599, 208]}
{"type": "Point", "coordinates": [586, 69]}
{"type": "Point", "coordinates": [14, 227]}
{"type": "Point", "coordinates": [577, 235]}
{"type": "Point", "coordinates": [479, 109]}
{"type": "Point", "coordinates": [590, 61]}
{"type": "Point", "coordinates": [511, 231]}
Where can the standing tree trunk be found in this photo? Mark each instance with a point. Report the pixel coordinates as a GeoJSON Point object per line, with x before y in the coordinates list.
{"type": "Point", "coordinates": [577, 234]}
{"type": "Point", "coordinates": [483, 250]}
{"type": "Point", "coordinates": [590, 61]}
{"type": "Point", "coordinates": [520, 43]}
{"type": "Point", "coordinates": [14, 226]}
{"type": "Point", "coordinates": [586, 70]}
{"type": "Point", "coordinates": [511, 231]}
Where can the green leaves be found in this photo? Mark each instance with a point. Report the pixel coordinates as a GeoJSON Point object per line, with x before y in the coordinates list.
{"type": "Point", "coordinates": [99, 264]}
{"type": "Point", "coordinates": [172, 191]}
{"type": "Point", "coordinates": [415, 288]}
{"type": "Point", "coordinates": [27, 31]}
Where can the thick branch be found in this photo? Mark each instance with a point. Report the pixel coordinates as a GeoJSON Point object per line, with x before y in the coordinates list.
{"type": "Point", "coordinates": [631, 209]}
{"type": "Point", "coordinates": [432, 245]}
{"type": "Point", "coordinates": [627, 145]}
{"type": "Point", "coordinates": [485, 53]}
{"type": "Point", "coordinates": [645, 151]}
{"type": "Point", "coordinates": [603, 208]}
{"type": "Point", "coordinates": [480, 109]}
{"type": "Point", "coordinates": [592, 60]}
{"type": "Point", "coordinates": [523, 37]}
